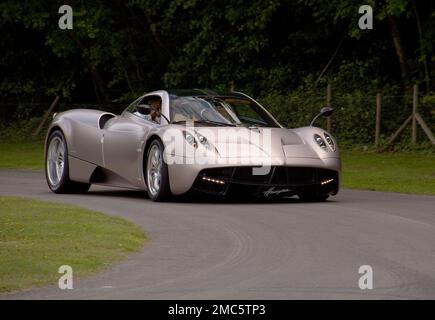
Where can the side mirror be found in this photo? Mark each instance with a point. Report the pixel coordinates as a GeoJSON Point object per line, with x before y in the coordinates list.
{"type": "Point", "coordinates": [324, 112]}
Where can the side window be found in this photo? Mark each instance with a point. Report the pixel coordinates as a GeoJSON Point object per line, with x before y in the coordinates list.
{"type": "Point", "coordinates": [148, 108]}
{"type": "Point", "coordinates": [132, 105]}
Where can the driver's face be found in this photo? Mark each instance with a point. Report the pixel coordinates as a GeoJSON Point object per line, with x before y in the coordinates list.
{"type": "Point", "coordinates": [156, 105]}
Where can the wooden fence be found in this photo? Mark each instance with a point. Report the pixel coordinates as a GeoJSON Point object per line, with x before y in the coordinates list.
{"type": "Point", "coordinates": [414, 118]}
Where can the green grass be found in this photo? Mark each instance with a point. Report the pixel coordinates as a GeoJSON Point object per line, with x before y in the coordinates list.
{"type": "Point", "coordinates": [37, 237]}
{"type": "Point", "coordinates": [407, 172]}
{"type": "Point", "coordinates": [397, 172]}
{"type": "Point", "coordinates": [23, 155]}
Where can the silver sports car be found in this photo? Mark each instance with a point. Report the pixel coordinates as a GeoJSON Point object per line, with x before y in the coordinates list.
{"type": "Point", "coordinates": [173, 142]}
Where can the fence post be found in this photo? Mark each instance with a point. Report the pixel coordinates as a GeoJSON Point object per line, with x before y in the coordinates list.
{"type": "Point", "coordinates": [414, 112]}
{"type": "Point", "coordinates": [414, 118]}
{"type": "Point", "coordinates": [328, 104]}
{"type": "Point", "coordinates": [378, 118]}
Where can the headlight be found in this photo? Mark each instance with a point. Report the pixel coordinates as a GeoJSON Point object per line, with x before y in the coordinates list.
{"type": "Point", "coordinates": [320, 141]}
{"type": "Point", "coordinates": [194, 138]}
{"type": "Point", "coordinates": [203, 140]}
{"type": "Point", "coordinates": [329, 141]}
{"type": "Point", "coordinates": [190, 138]}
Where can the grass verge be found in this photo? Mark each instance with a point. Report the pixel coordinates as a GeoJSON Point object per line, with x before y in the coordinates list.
{"type": "Point", "coordinates": [396, 172]}
{"type": "Point", "coordinates": [21, 155]}
{"type": "Point", "coordinates": [37, 237]}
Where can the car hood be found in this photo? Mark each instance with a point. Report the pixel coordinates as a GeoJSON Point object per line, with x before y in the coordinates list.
{"type": "Point", "coordinates": [257, 142]}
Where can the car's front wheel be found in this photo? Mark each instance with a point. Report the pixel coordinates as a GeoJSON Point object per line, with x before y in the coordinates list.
{"type": "Point", "coordinates": [57, 166]}
{"type": "Point", "coordinates": [157, 177]}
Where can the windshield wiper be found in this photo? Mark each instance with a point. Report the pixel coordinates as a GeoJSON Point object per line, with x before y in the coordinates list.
{"type": "Point", "coordinates": [207, 122]}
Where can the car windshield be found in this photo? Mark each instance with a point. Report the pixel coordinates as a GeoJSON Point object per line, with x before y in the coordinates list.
{"type": "Point", "coordinates": [224, 111]}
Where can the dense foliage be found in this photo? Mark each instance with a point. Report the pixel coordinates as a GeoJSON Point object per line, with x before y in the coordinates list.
{"type": "Point", "coordinates": [282, 51]}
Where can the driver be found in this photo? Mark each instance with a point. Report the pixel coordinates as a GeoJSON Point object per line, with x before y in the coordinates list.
{"type": "Point", "coordinates": [156, 108]}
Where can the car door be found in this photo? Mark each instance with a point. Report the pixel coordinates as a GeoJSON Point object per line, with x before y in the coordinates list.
{"type": "Point", "coordinates": [123, 141]}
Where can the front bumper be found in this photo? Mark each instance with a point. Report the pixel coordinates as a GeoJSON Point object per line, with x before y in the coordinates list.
{"type": "Point", "coordinates": [300, 174]}
{"type": "Point", "coordinates": [279, 181]}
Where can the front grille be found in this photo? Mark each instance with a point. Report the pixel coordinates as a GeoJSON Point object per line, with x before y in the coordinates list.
{"type": "Point", "coordinates": [246, 175]}
{"type": "Point", "coordinates": [275, 176]}
{"type": "Point", "coordinates": [278, 176]}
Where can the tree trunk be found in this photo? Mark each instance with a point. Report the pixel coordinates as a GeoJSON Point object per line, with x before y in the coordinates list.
{"type": "Point", "coordinates": [94, 82]}
{"type": "Point", "coordinates": [399, 50]}
{"type": "Point", "coordinates": [99, 83]}
{"type": "Point", "coordinates": [422, 51]}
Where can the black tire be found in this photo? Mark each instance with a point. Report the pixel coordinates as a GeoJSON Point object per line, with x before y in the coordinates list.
{"type": "Point", "coordinates": [65, 184]}
{"type": "Point", "coordinates": [313, 197]}
{"type": "Point", "coordinates": [163, 193]}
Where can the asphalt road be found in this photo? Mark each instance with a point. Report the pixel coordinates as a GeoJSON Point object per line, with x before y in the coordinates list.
{"type": "Point", "coordinates": [290, 250]}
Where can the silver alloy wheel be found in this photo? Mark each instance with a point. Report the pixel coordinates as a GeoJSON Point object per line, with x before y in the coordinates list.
{"type": "Point", "coordinates": [154, 170]}
{"type": "Point", "coordinates": [55, 161]}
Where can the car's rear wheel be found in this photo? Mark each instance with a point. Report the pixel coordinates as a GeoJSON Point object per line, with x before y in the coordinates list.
{"type": "Point", "coordinates": [157, 177]}
{"type": "Point", "coordinates": [57, 166]}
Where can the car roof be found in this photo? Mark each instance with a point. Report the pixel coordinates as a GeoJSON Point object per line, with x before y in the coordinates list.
{"type": "Point", "coordinates": [203, 92]}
